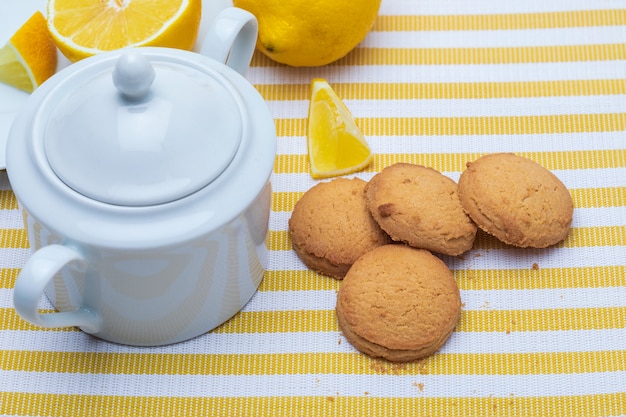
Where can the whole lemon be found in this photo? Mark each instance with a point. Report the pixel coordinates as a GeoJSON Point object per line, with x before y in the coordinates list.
{"type": "Point", "coordinates": [308, 33]}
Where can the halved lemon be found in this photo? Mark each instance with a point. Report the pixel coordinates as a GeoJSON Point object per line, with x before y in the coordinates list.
{"type": "Point", "coordinates": [83, 28]}
{"type": "Point", "coordinates": [30, 57]}
{"type": "Point", "coordinates": [336, 145]}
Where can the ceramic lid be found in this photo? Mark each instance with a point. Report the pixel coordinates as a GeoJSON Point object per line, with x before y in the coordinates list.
{"type": "Point", "coordinates": [142, 132]}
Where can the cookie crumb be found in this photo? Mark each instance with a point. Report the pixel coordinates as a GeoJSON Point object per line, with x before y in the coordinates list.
{"type": "Point", "coordinates": [422, 368]}
{"type": "Point", "coordinates": [378, 367]}
{"type": "Point", "coordinates": [330, 399]}
{"type": "Point", "coordinates": [396, 368]}
{"type": "Point", "coordinates": [535, 266]}
{"type": "Point", "coordinates": [419, 385]}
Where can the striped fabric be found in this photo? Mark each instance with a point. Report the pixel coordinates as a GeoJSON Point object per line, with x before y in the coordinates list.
{"type": "Point", "coordinates": [438, 83]}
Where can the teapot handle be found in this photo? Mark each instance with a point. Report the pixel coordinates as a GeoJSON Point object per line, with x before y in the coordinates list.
{"type": "Point", "coordinates": [38, 271]}
{"type": "Point", "coordinates": [231, 38]}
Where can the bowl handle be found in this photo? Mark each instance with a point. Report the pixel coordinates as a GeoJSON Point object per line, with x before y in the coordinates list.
{"type": "Point", "coordinates": [33, 279]}
{"type": "Point", "coordinates": [231, 38]}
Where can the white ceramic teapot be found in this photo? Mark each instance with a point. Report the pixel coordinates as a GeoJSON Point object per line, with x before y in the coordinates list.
{"type": "Point", "coordinates": [143, 178]}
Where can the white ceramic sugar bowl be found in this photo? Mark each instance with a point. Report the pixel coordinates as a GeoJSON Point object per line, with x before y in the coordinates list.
{"type": "Point", "coordinates": [143, 178]}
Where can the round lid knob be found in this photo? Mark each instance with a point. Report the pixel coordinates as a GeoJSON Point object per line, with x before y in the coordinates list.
{"type": "Point", "coordinates": [133, 75]}
{"type": "Point", "coordinates": [142, 130]}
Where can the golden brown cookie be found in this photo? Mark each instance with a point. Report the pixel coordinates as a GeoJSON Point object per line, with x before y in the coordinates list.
{"type": "Point", "coordinates": [420, 206]}
{"type": "Point", "coordinates": [516, 200]}
{"type": "Point", "coordinates": [330, 226]}
{"type": "Point", "coordinates": [398, 303]}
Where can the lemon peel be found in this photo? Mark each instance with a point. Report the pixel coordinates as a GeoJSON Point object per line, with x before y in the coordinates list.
{"type": "Point", "coordinates": [305, 33]}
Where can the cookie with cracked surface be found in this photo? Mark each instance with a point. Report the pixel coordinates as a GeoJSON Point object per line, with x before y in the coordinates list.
{"type": "Point", "coordinates": [516, 200]}
{"type": "Point", "coordinates": [420, 206]}
{"type": "Point", "coordinates": [330, 226]}
{"type": "Point", "coordinates": [398, 303]}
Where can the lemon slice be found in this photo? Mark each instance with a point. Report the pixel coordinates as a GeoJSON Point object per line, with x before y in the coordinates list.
{"type": "Point", "coordinates": [30, 56]}
{"type": "Point", "coordinates": [82, 28]}
{"type": "Point", "coordinates": [335, 143]}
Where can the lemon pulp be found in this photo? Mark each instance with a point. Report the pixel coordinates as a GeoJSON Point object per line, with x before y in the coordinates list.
{"type": "Point", "coordinates": [82, 28]}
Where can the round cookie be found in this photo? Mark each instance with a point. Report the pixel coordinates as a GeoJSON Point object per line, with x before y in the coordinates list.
{"type": "Point", "coordinates": [398, 303]}
{"type": "Point", "coordinates": [330, 226]}
{"type": "Point", "coordinates": [516, 200]}
{"type": "Point", "coordinates": [420, 206]}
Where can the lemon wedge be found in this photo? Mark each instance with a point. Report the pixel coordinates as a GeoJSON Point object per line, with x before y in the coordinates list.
{"type": "Point", "coordinates": [336, 145]}
{"type": "Point", "coordinates": [30, 57]}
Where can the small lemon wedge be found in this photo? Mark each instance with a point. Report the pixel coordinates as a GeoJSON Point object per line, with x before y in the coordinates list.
{"type": "Point", "coordinates": [335, 143]}
{"type": "Point", "coordinates": [30, 57]}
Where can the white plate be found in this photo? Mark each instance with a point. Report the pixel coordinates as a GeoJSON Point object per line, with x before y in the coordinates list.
{"type": "Point", "coordinates": [13, 14]}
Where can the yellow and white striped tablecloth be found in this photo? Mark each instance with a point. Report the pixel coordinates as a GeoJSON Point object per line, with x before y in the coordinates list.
{"type": "Point", "coordinates": [438, 83]}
